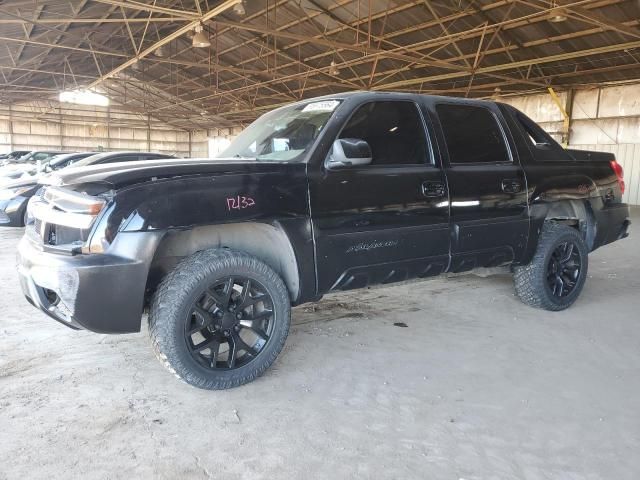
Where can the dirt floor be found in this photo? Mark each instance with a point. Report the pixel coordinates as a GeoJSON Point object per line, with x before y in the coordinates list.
{"type": "Point", "coordinates": [476, 386]}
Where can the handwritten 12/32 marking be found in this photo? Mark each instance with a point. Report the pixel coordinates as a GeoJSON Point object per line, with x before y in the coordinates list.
{"type": "Point", "coordinates": [240, 202]}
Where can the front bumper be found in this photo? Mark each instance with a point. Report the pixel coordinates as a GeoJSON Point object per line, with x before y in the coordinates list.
{"type": "Point", "coordinates": [12, 211]}
{"type": "Point", "coordinates": [103, 293]}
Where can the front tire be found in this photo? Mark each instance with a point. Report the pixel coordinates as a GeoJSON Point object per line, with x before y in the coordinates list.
{"type": "Point", "coordinates": [219, 319]}
{"type": "Point", "coordinates": [555, 276]}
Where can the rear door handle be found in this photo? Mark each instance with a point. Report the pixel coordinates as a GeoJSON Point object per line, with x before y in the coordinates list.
{"type": "Point", "coordinates": [511, 185]}
{"type": "Point", "coordinates": [433, 189]}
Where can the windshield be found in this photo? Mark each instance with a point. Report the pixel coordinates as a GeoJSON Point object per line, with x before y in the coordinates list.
{"type": "Point", "coordinates": [283, 134]}
{"type": "Point", "coordinates": [25, 158]}
{"type": "Point", "coordinates": [33, 157]}
{"type": "Point", "coordinates": [90, 160]}
{"type": "Point", "coordinates": [60, 161]}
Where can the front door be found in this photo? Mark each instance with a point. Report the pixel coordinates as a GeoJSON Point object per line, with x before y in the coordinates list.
{"type": "Point", "coordinates": [487, 186]}
{"type": "Point", "coordinates": [386, 221]}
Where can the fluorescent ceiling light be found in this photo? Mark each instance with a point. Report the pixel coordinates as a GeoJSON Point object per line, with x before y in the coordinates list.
{"type": "Point", "coordinates": [84, 97]}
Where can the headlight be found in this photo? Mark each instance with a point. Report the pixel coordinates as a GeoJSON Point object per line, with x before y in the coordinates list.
{"type": "Point", "coordinates": [66, 207]}
{"type": "Point", "coordinates": [74, 202]}
{"type": "Point", "coordinates": [9, 193]}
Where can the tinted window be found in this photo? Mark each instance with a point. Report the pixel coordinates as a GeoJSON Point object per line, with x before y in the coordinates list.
{"type": "Point", "coordinates": [121, 158]}
{"type": "Point", "coordinates": [393, 130]}
{"type": "Point", "coordinates": [155, 156]}
{"type": "Point", "coordinates": [472, 134]}
{"type": "Point", "coordinates": [542, 145]}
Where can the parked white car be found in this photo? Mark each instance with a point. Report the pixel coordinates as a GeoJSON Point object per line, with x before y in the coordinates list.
{"type": "Point", "coordinates": [28, 165]}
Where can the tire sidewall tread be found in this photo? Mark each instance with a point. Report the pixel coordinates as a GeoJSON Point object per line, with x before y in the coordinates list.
{"type": "Point", "coordinates": [175, 295]}
{"type": "Point", "coordinates": [530, 280]}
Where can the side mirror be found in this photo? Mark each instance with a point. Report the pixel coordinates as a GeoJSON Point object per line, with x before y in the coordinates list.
{"type": "Point", "coordinates": [348, 152]}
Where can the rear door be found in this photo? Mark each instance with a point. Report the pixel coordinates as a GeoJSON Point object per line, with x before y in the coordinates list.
{"type": "Point", "coordinates": [387, 221]}
{"type": "Point", "coordinates": [487, 186]}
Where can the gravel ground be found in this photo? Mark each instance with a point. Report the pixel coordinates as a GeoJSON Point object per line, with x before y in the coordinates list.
{"type": "Point", "coordinates": [477, 386]}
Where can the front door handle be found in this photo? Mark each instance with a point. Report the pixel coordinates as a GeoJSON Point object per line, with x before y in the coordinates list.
{"type": "Point", "coordinates": [511, 185]}
{"type": "Point", "coordinates": [433, 189]}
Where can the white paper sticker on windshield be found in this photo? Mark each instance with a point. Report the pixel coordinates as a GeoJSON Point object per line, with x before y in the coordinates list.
{"type": "Point", "coordinates": [326, 106]}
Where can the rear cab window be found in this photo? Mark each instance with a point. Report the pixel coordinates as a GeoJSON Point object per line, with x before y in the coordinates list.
{"type": "Point", "coordinates": [541, 145]}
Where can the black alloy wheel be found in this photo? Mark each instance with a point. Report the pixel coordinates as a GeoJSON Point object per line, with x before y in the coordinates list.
{"type": "Point", "coordinates": [556, 274]}
{"type": "Point", "coordinates": [563, 270]}
{"type": "Point", "coordinates": [219, 319]}
{"type": "Point", "coordinates": [230, 323]}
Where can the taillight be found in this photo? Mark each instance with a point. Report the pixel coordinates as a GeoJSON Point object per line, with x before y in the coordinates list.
{"type": "Point", "coordinates": [617, 169]}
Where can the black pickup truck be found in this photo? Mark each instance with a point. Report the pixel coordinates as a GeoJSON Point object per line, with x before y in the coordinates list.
{"type": "Point", "coordinates": [327, 194]}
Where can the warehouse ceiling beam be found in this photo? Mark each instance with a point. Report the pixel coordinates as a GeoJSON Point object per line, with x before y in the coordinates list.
{"type": "Point", "coordinates": [505, 49]}
{"type": "Point", "coordinates": [168, 38]}
{"type": "Point", "coordinates": [28, 29]}
{"type": "Point", "coordinates": [63, 21]}
{"type": "Point", "coordinates": [487, 69]}
{"type": "Point", "coordinates": [440, 40]}
{"type": "Point", "coordinates": [63, 47]}
{"type": "Point", "coordinates": [63, 32]}
{"type": "Point", "coordinates": [523, 63]}
{"type": "Point", "coordinates": [594, 18]}
{"type": "Point", "coordinates": [156, 9]}
{"type": "Point", "coordinates": [368, 51]}
{"type": "Point", "coordinates": [511, 47]}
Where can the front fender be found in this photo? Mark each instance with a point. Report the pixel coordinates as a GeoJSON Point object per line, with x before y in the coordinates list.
{"type": "Point", "coordinates": [234, 211]}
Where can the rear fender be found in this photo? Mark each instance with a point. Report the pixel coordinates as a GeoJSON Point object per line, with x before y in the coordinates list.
{"type": "Point", "coordinates": [577, 213]}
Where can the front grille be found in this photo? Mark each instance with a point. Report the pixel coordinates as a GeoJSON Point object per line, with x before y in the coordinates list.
{"type": "Point", "coordinates": [61, 235]}
{"type": "Point", "coordinates": [52, 234]}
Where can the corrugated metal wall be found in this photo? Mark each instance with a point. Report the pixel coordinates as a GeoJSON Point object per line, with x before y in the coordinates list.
{"type": "Point", "coordinates": [627, 155]}
{"type": "Point", "coordinates": [54, 126]}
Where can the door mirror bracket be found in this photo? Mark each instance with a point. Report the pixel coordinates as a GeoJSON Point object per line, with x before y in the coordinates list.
{"type": "Point", "coordinates": [348, 152]}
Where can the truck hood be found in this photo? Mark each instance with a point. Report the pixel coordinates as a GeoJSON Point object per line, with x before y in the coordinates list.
{"type": "Point", "coordinates": [118, 175]}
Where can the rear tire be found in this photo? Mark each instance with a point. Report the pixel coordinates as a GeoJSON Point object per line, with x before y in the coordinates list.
{"type": "Point", "coordinates": [556, 275]}
{"type": "Point", "coordinates": [219, 319]}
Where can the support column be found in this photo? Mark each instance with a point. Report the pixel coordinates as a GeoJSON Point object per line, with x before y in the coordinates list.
{"type": "Point", "coordinates": [148, 132]}
{"type": "Point", "coordinates": [10, 129]}
{"type": "Point", "coordinates": [61, 128]}
{"type": "Point", "coordinates": [565, 115]}
{"type": "Point", "coordinates": [108, 129]}
{"type": "Point", "coordinates": [569, 110]}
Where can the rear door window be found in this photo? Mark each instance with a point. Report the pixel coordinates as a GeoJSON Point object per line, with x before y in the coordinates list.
{"type": "Point", "coordinates": [472, 134]}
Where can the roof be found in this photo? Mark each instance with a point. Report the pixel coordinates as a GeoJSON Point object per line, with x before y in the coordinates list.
{"type": "Point", "coordinates": [282, 51]}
